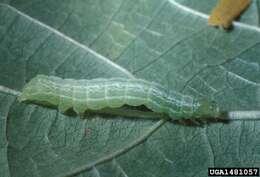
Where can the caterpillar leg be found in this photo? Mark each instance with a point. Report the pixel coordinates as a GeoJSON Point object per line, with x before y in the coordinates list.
{"type": "Point", "coordinates": [64, 105]}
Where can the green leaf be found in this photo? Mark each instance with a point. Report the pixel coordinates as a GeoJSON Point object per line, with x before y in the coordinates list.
{"type": "Point", "coordinates": [157, 40]}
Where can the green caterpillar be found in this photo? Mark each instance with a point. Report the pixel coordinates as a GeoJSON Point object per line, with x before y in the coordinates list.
{"type": "Point", "coordinates": [101, 95]}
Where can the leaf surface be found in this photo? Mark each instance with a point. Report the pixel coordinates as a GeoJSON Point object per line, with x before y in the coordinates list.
{"type": "Point", "coordinates": [157, 40]}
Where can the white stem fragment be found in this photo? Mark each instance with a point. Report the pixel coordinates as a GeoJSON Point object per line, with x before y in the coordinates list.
{"type": "Point", "coordinates": [243, 115]}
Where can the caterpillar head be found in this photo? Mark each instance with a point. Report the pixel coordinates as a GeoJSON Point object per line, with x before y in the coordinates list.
{"type": "Point", "coordinates": [207, 109]}
{"type": "Point", "coordinates": [39, 90]}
